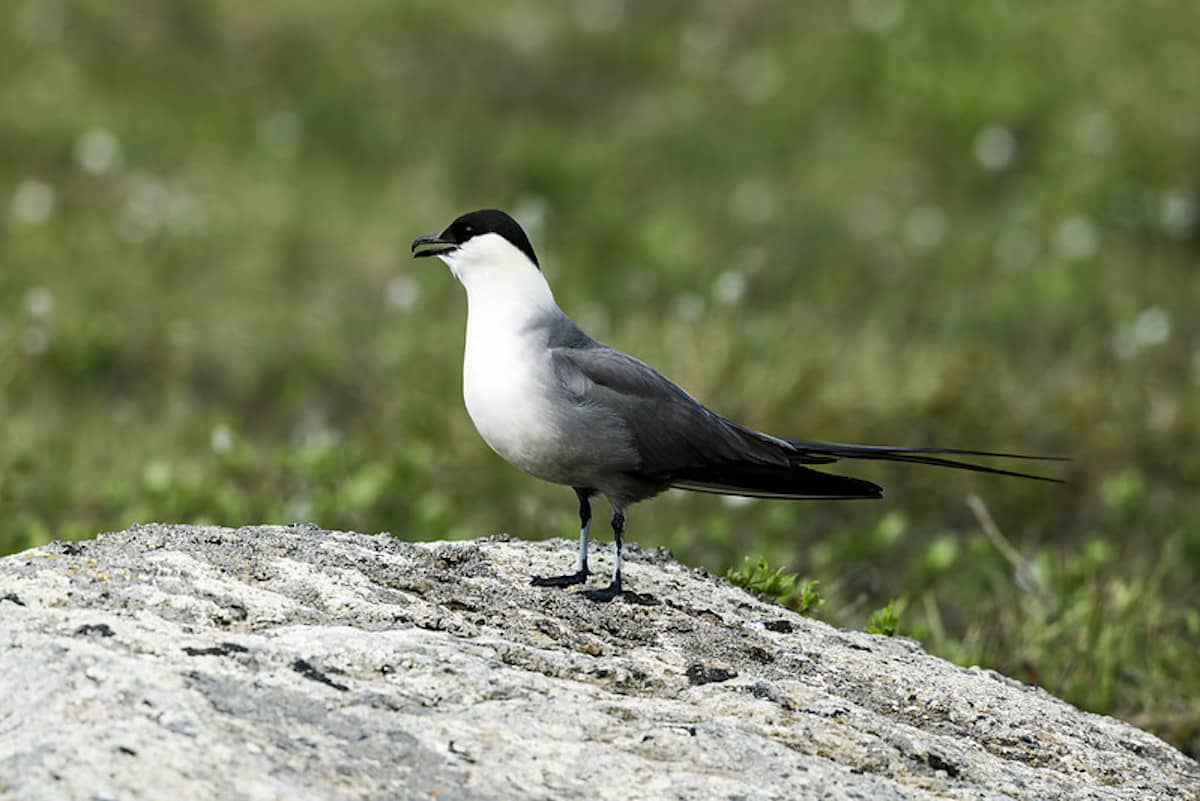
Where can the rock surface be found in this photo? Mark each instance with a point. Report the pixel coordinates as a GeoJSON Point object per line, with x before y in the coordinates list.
{"type": "Point", "coordinates": [187, 662]}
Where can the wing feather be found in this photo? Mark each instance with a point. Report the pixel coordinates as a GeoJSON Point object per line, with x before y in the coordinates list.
{"type": "Point", "coordinates": [681, 442]}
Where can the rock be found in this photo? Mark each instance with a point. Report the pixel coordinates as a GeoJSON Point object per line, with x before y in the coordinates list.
{"type": "Point", "coordinates": [185, 662]}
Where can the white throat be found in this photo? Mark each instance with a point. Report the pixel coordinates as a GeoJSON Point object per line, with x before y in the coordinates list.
{"type": "Point", "coordinates": [504, 288]}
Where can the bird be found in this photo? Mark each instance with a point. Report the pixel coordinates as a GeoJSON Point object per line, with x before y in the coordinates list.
{"type": "Point", "coordinates": [565, 408]}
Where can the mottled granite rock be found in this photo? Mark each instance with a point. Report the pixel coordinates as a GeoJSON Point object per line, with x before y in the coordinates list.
{"type": "Point", "coordinates": [191, 662]}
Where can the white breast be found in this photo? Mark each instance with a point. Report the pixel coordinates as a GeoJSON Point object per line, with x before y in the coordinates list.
{"type": "Point", "coordinates": [505, 390]}
{"type": "Point", "coordinates": [507, 376]}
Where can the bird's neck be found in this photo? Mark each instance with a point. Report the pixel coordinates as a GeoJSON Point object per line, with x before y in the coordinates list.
{"type": "Point", "coordinates": [501, 300]}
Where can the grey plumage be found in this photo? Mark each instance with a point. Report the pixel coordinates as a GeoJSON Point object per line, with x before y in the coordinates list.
{"type": "Point", "coordinates": [677, 442]}
{"type": "Point", "coordinates": [650, 435]}
{"type": "Point", "coordinates": [568, 409]}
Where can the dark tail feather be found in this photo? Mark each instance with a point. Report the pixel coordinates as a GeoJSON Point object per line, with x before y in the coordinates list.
{"type": "Point", "coordinates": [771, 481]}
{"type": "Point", "coordinates": [832, 451]}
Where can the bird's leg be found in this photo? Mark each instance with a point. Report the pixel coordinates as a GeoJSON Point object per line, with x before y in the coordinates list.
{"type": "Point", "coordinates": [613, 589]}
{"type": "Point", "coordinates": [585, 525]}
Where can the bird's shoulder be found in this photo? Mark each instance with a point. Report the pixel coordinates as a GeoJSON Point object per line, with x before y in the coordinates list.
{"type": "Point", "coordinates": [669, 428]}
{"type": "Point", "coordinates": [583, 366]}
{"type": "Point", "coordinates": [581, 362]}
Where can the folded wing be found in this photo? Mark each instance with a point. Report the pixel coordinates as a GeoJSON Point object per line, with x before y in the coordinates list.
{"type": "Point", "coordinates": [685, 445]}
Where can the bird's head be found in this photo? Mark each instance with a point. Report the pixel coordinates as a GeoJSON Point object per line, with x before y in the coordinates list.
{"type": "Point", "coordinates": [485, 241]}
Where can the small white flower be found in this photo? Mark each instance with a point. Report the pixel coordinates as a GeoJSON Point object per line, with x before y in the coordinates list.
{"type": "Point", "coordinates": [1152, 327]}
{"type": "Point", "coordinates": [97, 150]}
{"type": "Point", "coordinates": [729, 287]}
{"type": "Point", "coordinates": [1177, 213]}
{"type": "Point", "coordinates": [221, 438]}
{"type": "Point", "coordinates": [33, 202]}
{"type": "Point", "coordinates": [1077, 239]}
{"type": "Point", "coordinates": [926, 226]}
{"type": "Point", "coordinates": [403, 292]}
{"type": "Point", "coordinates": [39, 302]}
{"type": "Point", "coordinates": [995, 148]}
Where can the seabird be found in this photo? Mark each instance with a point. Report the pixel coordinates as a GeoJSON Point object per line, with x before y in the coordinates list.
{"type": "Point", "coordinates": [565, 408]}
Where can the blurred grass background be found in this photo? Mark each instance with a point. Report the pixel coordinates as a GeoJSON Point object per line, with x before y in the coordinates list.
{"type": "Point", "coordinates": [969, 225]}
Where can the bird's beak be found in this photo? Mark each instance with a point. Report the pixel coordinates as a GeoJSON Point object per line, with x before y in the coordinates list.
{"type": "Point", "coordinates": [431, 245]}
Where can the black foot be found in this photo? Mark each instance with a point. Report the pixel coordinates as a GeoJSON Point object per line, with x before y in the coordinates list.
{"type": "Point", "coordinates": [604, 595]}
{"type": "Point", "coordinates": [560, 581]}
{"type": "Point", "coordinates": [614, 591]}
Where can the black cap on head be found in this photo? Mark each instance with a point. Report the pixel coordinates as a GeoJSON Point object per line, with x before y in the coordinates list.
{"type": "Point", "coordinates": [472, 224]}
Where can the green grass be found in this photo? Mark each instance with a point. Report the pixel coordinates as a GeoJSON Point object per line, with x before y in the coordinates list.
{"type": "Point", "coordinates": [976, 227]}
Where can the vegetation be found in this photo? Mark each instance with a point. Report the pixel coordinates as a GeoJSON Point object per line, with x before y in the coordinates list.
{"type": "Point", "coordinates": [938, 223]}
{"type": "Point", "coordinates": [787, 589]}
{"type": "Point", "coordinates": [885, 620]}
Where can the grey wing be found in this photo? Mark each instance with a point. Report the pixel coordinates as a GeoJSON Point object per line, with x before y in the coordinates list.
{"type": "Point", "coordinates": [671, 432]}
{"type": "Point", "coordinates": [673, 440]}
